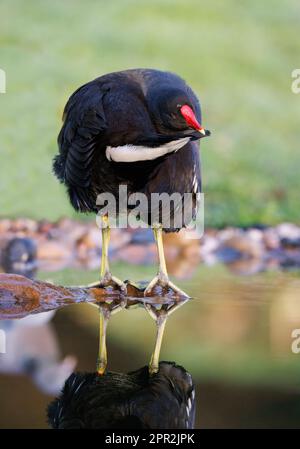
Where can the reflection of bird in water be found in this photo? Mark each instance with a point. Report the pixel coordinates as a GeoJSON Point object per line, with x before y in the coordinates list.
{"type": "Point", "coordinates": [137, 128]}
{"type": "Point", "coordinates": [20, 257]}
{"type": "Point", "coordinates": [135, 400]}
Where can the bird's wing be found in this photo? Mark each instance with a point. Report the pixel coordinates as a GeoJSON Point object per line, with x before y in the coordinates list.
{"type": "Point", "coordinates": [84, 122]}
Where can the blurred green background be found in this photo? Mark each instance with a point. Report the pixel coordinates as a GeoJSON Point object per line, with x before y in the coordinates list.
{"type": "Point", "coordinates": [238, 56]}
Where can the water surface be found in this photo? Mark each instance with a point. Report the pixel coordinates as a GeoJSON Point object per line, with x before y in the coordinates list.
{"type": "Point", "coordinates": [234, 336]}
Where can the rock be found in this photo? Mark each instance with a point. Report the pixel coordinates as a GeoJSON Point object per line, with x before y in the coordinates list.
{"type": "Point", "coordinates": [137, 254]}
{"type": "Point", "coordinates": [290, 243]}
{"type": "Point", "coordinates": [91, 239]}
{"type": "Point", "coordinates": [186, 262]}
{"type": "Point", "coordinates": [142, 236]}
{"type": "Point", "coordinates": [209, 244]}
{"type": "Point", "coordinates": [4, 226]}
{"type": "Point", "coordinates": [289, 234]}
{"type": "Point", "coordinates": [181, 238]}
{"type": "Point", "coordinates": [19, 257]}
{"type": "Point", "coordinates": [256, 235]}
{"type": "Point", "coordinates": [119, 239]}
{"type": "Point", "coordinates": [44, 227]}
{"type": "Point", "coordinates": [69, 232]}
{"type": "Point", "coordinates": [291, 262]}
{"type": "Point", "coordinates": [226, 254]}
{"type": "Point", "coordinates": [192, 254]}
{"type": "Point", "coordinates": [208, 247]}
{"type": "Point", "coordinates": [271, 239]}
{"type": "Point", "coordinates": [71, 243]}
{"type": "Point", "coordinates": [249, 243]}
{"type": "Point", "coordinates": [228, 233]}
{"type": "Point", "coordinates": [24, 225]}
{"type": "Point", "coordinates": [51, 250]}
{"type": "Point", "coordinates": [288, 230]}
{"type": "Point", "coordinates": [67, 223]}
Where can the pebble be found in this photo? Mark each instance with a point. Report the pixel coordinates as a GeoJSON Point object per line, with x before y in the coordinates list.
{"type": "Point", "coordinates": [71, 243]}
{"type": "Point", "coordinates": [53, 251]}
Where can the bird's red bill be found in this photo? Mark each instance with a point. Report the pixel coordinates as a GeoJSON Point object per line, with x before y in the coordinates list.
{"type": "Point", "coordinates": [190, 117]}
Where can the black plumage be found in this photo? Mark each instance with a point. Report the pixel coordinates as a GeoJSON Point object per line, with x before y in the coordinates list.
{"type": "Point", "coordinates": [137, 107]}
{"type": "Point", "coordinates": [135, 400]}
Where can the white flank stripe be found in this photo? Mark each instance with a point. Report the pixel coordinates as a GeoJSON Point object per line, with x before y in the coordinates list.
{"type": "Point", "coordinates": [135, 153]}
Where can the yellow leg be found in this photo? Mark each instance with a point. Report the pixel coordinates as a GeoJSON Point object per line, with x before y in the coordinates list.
{"type": "Point", "coordinates": [162, 277]}
{"type": "Point", "coordinates": [102, 355]}
{"type": "Point", "coordinates": [106, 310]}
{"type": "Point", "coordinates": [106, 278]}
{"type": "Point", "coordinates": [111, 306]}
{"type": "Point", "coordinates": [104, 269]}
{"type": "Point", "coordinates": [160, 316]}
{"type": "Point", "coordinates": [154, 362]}
{"type": "Point", "coordinates": [161, 254]}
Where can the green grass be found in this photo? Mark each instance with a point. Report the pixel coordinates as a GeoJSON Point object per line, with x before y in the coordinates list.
{"type": "Point", "coordinates": [238, 56]}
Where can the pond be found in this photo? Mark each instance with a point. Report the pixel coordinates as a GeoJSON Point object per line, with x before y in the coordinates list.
{"type": "Point", "coordinates": [236, 336]}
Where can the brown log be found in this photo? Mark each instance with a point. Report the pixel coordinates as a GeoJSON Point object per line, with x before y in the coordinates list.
{"type": "Point", "coordinates": [20, 296]}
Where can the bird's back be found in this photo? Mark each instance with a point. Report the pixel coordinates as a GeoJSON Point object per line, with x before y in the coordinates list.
{"type": "Point", "coordinates": [133, 400]}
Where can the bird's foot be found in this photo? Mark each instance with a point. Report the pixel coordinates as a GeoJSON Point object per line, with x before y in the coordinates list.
{"type": "Point", "coordinates": [112, 281]}
{"type": "Point", "coordinates": [108, 280]}
{"type": "Point", "coordinates": [160, 314]}
{"type": "Point", "coordinates": [163, 281]}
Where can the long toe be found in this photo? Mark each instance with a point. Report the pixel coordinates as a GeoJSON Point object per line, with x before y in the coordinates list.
{"type": "Point", "coordinates": [161, 287]}
{"type": "Point", "coordinates": [111, 281]}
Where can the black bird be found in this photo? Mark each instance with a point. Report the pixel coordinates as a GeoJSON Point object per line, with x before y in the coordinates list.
{"type": "Point", "coordinates": [135, 400]}
{"type": "Point", "coordinates": [20, 257]}
{"type": "Point", "coordinates": [136, 128]}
